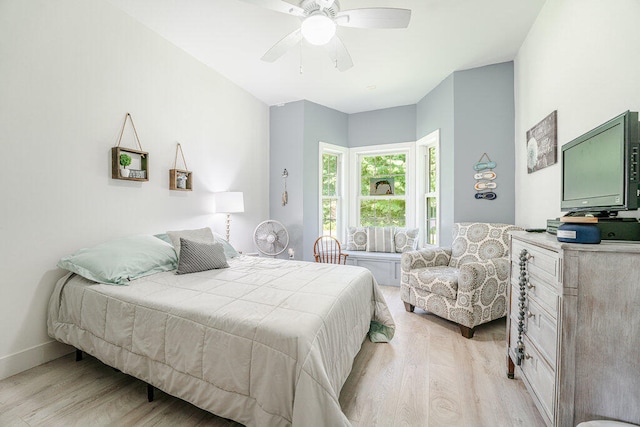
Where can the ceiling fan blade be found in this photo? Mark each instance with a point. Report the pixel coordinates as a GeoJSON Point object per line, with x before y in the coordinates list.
{"type": "Point", "coordinates": [282, 46]}
{"type": "Point", "coordinates": [278, 6]}
{"type": "Point", "coordinates": [378, 17]}
{"type": "Point", "coordinates": [339, 54]}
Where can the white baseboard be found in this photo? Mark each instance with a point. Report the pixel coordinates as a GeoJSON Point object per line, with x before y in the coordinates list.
{"type": "Point", "coordinates": [31, 357]}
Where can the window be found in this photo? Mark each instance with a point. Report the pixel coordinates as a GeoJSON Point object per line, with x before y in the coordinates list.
{"type": "Point", "coordinates": [382, 180]}
{"type": "Point", "coordinates": [389, 185]}
{"type": "Point", "coordinates": [428, 187]}
{"type": "Point", "coordinates": [332, 161]}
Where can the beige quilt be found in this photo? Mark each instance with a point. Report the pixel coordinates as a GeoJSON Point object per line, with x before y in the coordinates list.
{"type": "Point", "coordinates": [266, 342]}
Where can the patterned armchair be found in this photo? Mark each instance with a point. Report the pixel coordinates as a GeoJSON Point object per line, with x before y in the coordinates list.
{"type": "Point", "coordinates": [466, 284]}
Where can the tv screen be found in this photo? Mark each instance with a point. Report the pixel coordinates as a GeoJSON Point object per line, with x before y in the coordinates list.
{"type": "Point", "coordinates": [598, 169]}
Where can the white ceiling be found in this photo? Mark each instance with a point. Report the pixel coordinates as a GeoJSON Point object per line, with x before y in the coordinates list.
{"type": "Point", "coordinates": [391, 67]}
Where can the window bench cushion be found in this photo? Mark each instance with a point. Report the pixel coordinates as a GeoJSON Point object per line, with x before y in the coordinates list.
{"type": "Point", "coordinates": [385, 266]}
{"type": "Point", "coordinates": [374, 255]}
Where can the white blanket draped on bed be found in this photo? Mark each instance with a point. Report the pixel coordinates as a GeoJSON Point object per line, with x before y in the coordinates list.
{"type": "Point", "coordinates": [265, 342]}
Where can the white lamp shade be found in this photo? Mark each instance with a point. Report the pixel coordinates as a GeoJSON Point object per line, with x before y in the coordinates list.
{"type": "Point", "coordinates": [318, 29]}
{"type": "Point", "coordinates": [229, 202]}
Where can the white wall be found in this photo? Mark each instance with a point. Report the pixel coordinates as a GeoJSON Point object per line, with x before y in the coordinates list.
{"type": "Point", "coordinates": [580, 58]}
{"type": "Point", "coordinates": [69, 71]}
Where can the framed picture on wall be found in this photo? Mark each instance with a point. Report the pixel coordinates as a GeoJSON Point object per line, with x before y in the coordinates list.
{"type": "Point", "coordinates": [542, 143]}
{"type": "Point", "coordinates": [381, 186]}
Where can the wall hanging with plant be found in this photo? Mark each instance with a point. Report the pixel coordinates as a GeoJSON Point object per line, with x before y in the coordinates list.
{"type": "Point", "coordinates": [123, 157]}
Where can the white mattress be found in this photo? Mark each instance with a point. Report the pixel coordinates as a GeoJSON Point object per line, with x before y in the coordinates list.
{"type": "Point", "coordinates": [265, 342]}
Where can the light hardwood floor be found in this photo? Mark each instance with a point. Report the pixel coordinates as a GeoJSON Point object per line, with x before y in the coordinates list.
{"type": "Point", "coordinates": [429, 375]}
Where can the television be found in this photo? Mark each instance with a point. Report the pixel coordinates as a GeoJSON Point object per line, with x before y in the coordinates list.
{"type": "Point", "coordinates": [600, 168]}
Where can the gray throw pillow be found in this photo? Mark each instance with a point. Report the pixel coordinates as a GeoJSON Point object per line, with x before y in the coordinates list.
{"type": "Point", "coordinates": [356, 239]}
{"type": "Point", "coordinates": [203, 235]}
{"type": "Point", "coordinates": [380, 239]}
{"type": "Point", "coordinates": [198, 256]}
{"type": "Point", "coordinates": [406, 239]}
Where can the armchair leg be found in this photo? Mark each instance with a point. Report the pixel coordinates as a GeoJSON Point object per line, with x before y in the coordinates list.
{"type": "Point", "coordinates": [409, 307]}
{"type": "Point", "coordinates": [466, 331]}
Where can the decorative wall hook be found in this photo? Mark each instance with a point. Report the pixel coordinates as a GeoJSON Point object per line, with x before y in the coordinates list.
{"type": "Point", "coordinates": [285, 195]}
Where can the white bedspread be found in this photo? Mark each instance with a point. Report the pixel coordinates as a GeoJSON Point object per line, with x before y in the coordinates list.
{"type": "Point", "coordinates": [265, 342]}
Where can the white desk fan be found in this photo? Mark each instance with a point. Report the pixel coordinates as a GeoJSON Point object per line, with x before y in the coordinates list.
{"type": "Point", "coordinates": [271, 238]}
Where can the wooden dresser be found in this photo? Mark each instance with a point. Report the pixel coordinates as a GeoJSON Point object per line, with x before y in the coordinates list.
{"type": "Point", "coordinates": [580, 353]}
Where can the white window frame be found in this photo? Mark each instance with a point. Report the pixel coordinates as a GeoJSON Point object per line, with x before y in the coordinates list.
{"type": "Point", "coordinates": [422, 148]}
{"type": "Point", "coordinates": [341, 188]}
{"type": "Point", "coordinates": [356, 153]}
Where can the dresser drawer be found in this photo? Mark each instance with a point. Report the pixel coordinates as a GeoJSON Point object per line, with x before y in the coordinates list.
{"type": "Point", "coordinates": [543, 272]}
{"type": "Point", "coordinates": [539, 326]}
{"type": "Point", "coordinates": [537, 374]}
{"type": "Point", "coordinates": [538, 291]}
{"type": "Point", "coordinates": [543, 263]}
{"type": "Point", "coordinates": [542, 330]}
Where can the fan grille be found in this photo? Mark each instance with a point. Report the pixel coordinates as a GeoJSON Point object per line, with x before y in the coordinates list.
{"type": "Point", "coordinates": [271, 238]}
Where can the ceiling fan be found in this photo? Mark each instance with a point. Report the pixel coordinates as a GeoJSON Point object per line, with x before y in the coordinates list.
{"type": "Point", "coordinates": [318, 27]}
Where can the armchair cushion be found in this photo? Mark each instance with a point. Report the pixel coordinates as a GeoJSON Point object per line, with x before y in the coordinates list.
{"type": "Point", "coordinates": [441, 280]}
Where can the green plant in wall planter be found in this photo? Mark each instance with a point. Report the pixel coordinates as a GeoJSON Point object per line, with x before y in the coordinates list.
{"type": "Point", "coordinates": [125, 160]}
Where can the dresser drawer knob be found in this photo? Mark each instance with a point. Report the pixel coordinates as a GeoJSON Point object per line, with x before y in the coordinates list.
{"type": "Point", "coordinates": [530, 314]}
{"type": "Point", "coordinates": [528, 356]}
{"type": "Point", "coordinates": [530, 286]}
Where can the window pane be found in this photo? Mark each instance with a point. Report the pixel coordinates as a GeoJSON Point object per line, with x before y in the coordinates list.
{"type": "Point", "coordinates": [432, 169]}
{"type": "Point", "coordinates": [384, 166]}
{"type": "Point", "coordinates": [329, 174]}
{"type": "Point", "coordinates": [329, 217]}
{"type": "Point", "coordinates": [431, 220]}
{"type": "Point", "coordinates": [382, 213]}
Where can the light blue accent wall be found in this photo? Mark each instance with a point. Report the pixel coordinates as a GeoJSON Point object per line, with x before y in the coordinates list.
{"type": "Point", "coordinates": [321, 124]}
{"type": "Point", "coordinates": [435, 111]}
{"type": "Point", "coordinates": [474, 111]}
{"type": "Point", "coordinates": [484, 123]}
{"type": "Point", "coordinates": [387, 126]}
{"type": "Point", "coordinates": [295, 132]}
{"type": "Point", "coordinates": [286, 136]}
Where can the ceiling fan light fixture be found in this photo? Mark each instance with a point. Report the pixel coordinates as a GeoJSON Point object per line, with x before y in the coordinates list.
{"type": "Point", "coordinates": [318, 29]}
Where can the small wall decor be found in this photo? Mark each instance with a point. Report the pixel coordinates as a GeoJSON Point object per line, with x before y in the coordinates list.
{"type": "Point", "coordinates": [285, 195]}
{"type": "Point", "coordinates": [542, 143]}
{"type": "Point", "coordinates": [485, 177]}
{"type": "Point", "coordinates": [121, 158]}
{"type": "Point", "coordinates": [180, 179]}
{"type": "Point", "coordinates": [381, 186]}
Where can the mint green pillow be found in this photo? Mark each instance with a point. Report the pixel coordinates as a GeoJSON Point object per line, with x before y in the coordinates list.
{"type": "Point", "coordinates": [119, 261]}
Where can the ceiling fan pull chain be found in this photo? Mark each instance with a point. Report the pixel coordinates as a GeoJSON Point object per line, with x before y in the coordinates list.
{"type": "Point", "coordinates": [300, 58]}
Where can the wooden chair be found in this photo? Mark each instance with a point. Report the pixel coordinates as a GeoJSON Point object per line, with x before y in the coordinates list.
{"type": "Point", "coordinates": [326, 249]}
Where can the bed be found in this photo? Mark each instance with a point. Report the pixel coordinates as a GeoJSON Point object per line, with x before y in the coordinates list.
{"type": "Point", "coordinates": [265, 342]}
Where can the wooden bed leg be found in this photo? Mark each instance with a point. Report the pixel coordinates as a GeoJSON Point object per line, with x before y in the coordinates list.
{"type": "Point", "coordinates": [409, 307]}
{"type": "Point", "coordinates": [466, 331]}
{"type": "Point", "coordinates": [149, 392]}
{"type": "Point", "coordinates": [78, 355]}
